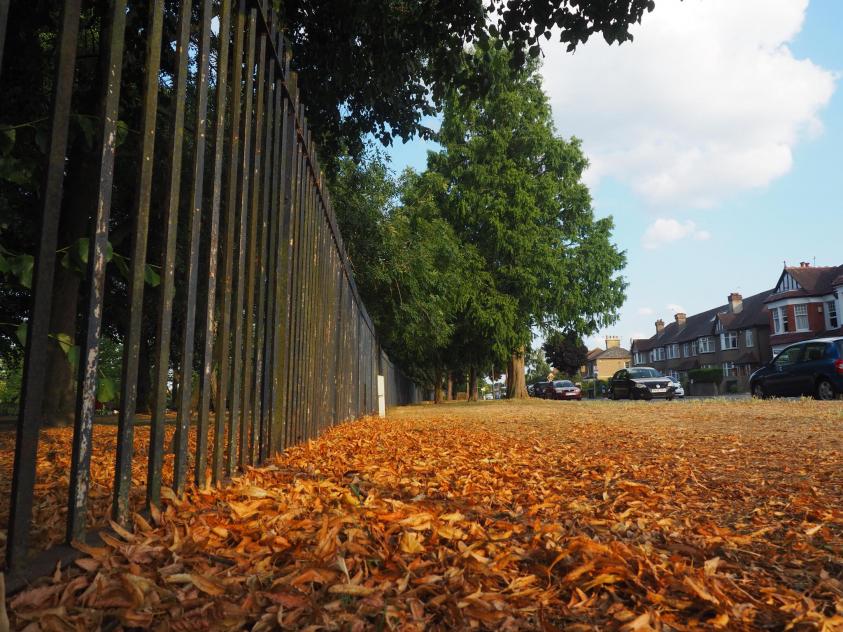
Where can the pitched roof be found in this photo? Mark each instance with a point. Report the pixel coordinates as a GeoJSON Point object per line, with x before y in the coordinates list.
{"type": "Point", "coordinates": [593, 354]}
{"type": "Point", "coordinates": [615, 353]}
{"type": "Point", "coordinates": [813, 281]}
{"type": "Point", "coordinates": [752, 314]}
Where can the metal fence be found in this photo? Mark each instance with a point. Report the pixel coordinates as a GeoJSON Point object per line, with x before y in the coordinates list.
{"type": "Point", "coordinates": [286, 337]}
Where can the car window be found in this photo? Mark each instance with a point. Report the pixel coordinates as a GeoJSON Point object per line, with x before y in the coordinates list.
{"type": "Point", "coordinates": [620, 375]}
{"type": "Point", "coordinates": [564, 383]}
{"type": "Point", "coordinates": [814, 351]}
{"type": "Point", "coordinates": [789, 356]}
{"type": "Point", "coordinates": [640, 373]}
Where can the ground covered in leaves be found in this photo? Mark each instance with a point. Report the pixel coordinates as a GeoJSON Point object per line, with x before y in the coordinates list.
{"type": "Point", "coordinates": [536, 515]}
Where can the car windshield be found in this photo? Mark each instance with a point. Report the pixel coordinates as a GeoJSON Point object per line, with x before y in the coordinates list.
{"type": "Point", "coordinates": [638, 373]}
{"type": "Point", "coordinates": [561, 383]}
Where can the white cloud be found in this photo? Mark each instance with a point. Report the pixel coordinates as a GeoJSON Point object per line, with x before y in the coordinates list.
{"type": "Point", "coordinates": [666, 230]}
{"type": "Point", "coordinates": [646, 311]}
{"type": "Point", "coordinates": [708, 100]}
{"type": "Point", "coordinates": [676, 309]}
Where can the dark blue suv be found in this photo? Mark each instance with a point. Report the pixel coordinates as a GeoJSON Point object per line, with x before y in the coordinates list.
{"type": "Point", "coordinates": [813, 368]}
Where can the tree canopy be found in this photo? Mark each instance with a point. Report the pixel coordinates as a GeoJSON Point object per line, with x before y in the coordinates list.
{"type": "Point", "coordinates": [565, 352]}
{"type": "Point", "coordinates": [496, 240]}
{"type": "Point", "coordinates": [373, 68]}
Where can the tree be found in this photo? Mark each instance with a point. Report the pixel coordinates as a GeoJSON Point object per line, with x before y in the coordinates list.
{"type": "Point", "coordinates": [514, 193]}
{"type": "Point", "coordinates": [411, 269]}
{"type": "Point", "coordinates": [536, 365]}
{"type": "Point", "coordinates": [565, 351]}
{"type": "Point", "coordinates": [374, 68]}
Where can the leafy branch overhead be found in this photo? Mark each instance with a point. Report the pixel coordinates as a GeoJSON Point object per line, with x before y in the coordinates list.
{"type": "Point", "coordinates": [374, 68]}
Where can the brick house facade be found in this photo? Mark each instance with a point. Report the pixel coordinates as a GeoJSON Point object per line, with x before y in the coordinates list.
{"type": "Point", "coordinates": [807, 302]}
{"type": "Point", "coordinates": [734, 337]}
{"type": "Point", "coordinates": [603, 363]}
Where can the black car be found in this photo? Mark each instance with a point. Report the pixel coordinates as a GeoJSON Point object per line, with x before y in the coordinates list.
{"type": "Point", "coordinates": [542, 389]}
{"type": "Point", "coordinates": [813, 368]}
{"type": "Point", "coordinates": [640, 382]}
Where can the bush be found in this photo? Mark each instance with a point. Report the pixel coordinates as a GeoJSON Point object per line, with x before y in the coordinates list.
{"type": "Point", "coordinates": [706, 376]}
{"type": "Point", "coordinates": [588, 388]}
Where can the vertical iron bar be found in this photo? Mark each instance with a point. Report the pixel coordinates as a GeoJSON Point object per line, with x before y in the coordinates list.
{"type": "Point", "coordinates": [87, 387]}
{"type": "Point", "coordinates": [273, 263]}
{"type": "Point", "coordinates": [35, 360]}
{"type": "Point", "coordinates": [140, 231]}
{"type": "Point", "coordinates": [213, 253]}
{"type": "Point", "coordinates": [260, 335]}
{"type": "Point", "coordinates": [192, 272]}
{"type": "Point", "coordinates": [237, 417]}
{"type": "Point", "coordinates": [200, 463]}
{"type": "Point", "coordinates": [168, 264]}
{"type": "Point", "coordinates": [281, 418]}
{"type": "Point", "coordinates": [247, 422]}
{"type": "Point", "coordinates": [224, 334]}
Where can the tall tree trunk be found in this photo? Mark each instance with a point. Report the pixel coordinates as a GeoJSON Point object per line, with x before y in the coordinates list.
{"type": "Point", "coordinates": [472, 384]}
{"type": "Point", "coordinates": [437, 387]}
{"type": "Point", "coordinates": [450, 395]}
{"type": "Point", "coordinates": [516, 382]}
{"type": "Point", "coordinates": [60, 383]}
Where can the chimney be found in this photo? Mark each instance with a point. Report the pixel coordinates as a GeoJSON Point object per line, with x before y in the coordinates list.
{"type": "Point", "coordinates": [613, 342]}
{"type": "Point", "coordinates": [659, 326]}
{"type": "Point", "coordinates": [680, 318]}
{"type": "Point", "coordinates": [804, 264]}
{"type": "Point", "coordinates": [735, 303]}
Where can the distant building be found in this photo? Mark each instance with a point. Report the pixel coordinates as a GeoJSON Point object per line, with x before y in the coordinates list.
{"type": "Point", "coordinates": [734, 337]}
{"type": "Point", "coordinates": [806, 303]}
{"type": "Point", "coordinates": [603, 363]}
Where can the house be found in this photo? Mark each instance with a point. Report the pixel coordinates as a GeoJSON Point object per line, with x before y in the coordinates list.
{"type": "Point", "coordinates": [603, 363]}
{"type": "Point", "coordinates": [806, 303]}
{"type": "Point", "coordinates": [734, 337]}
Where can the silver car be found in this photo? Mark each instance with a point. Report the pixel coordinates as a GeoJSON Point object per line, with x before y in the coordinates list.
{"type": "Point", "coordinates": [678, 391]}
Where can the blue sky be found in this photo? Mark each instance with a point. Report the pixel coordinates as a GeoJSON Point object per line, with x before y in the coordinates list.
{"type": "Point", "coordinates": [716, 141]}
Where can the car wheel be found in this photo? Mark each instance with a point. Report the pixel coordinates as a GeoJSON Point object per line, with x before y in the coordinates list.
{"type": "Point", "coordinates": [758, 392]}
{"type": "Point", "coordinates": [825, 390]}
{"type": "Point", "coordinates": [670, 399]}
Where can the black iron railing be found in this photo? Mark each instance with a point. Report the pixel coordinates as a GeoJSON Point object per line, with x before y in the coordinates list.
{"type": "Point", "coordinates": [283, 332]}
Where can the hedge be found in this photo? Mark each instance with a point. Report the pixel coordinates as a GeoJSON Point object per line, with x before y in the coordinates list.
{"type": "Point", "coordinates": [706, 376]}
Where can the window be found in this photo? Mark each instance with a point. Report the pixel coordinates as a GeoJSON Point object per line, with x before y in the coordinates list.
{"type": "Point", "coordinates": [832, 322]}
{"type": "Point", "coordinates": [672, 351]}
{"type": "Point", "coordinates": [750, 338]}
{"type": "Point", "coordinates": [706, 344]}
{"type": "Point", "coordinates": [653, 355]}
{"type": "Point", "coordinates": [783, 312]}
{"type": "Point", "coordinates": [801, 317]}
{"type": "Point", "coordinates": [686, 350]}
{"type": "Point", "coordinates": [661, 353]}
{"type": "Point", "coordinates": [789, 356]}
{"type": "Point", "coordinates": [729, 340]}
{"type": "Point", "coordinates": [626, 365]}
{"type": "Point", "coordinates": [777, 321]}
{"type": "Point", "coordinates": [693, 347]}
{"type": "Point", "coordinates": [729, 369]}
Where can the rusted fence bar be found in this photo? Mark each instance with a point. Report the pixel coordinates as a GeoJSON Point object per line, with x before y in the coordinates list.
{"type": "Point", "coordinates": [272, 343]}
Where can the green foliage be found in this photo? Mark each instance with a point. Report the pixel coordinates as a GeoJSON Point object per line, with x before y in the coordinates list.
{"type": "Point", "coordinates": [588, 388]}
{"type": "Point", "coordinates": [513, 191]}
{"type": "Point", "coordinates": [369, 68]}
{"type": "Point", "coordinates": [706, 376]}
{"type": "Point", "coordinates": [565, 351]}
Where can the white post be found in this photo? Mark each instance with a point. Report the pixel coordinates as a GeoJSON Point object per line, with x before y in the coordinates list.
{"type": "Point", "coordinates": [381, 396]}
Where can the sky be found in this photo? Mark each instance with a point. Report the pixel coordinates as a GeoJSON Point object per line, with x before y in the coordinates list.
{"type": "Point", "coordinates": [715, 140]}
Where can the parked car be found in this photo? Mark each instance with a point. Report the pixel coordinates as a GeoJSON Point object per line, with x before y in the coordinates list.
{"type": "Point", "coordinates": [640, 382]}
{"type": "Point", "coordinates": [678, 390]}
{"type": "Point", "coordinates": [813, 368]}
{"type": "Point", "coordinates": [540, 388]}
{"type": "Point", "coordinates": [565, 389]}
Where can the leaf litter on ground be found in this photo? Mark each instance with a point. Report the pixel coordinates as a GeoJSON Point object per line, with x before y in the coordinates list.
{"type": "Point", "coordinates": [720, 515]}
